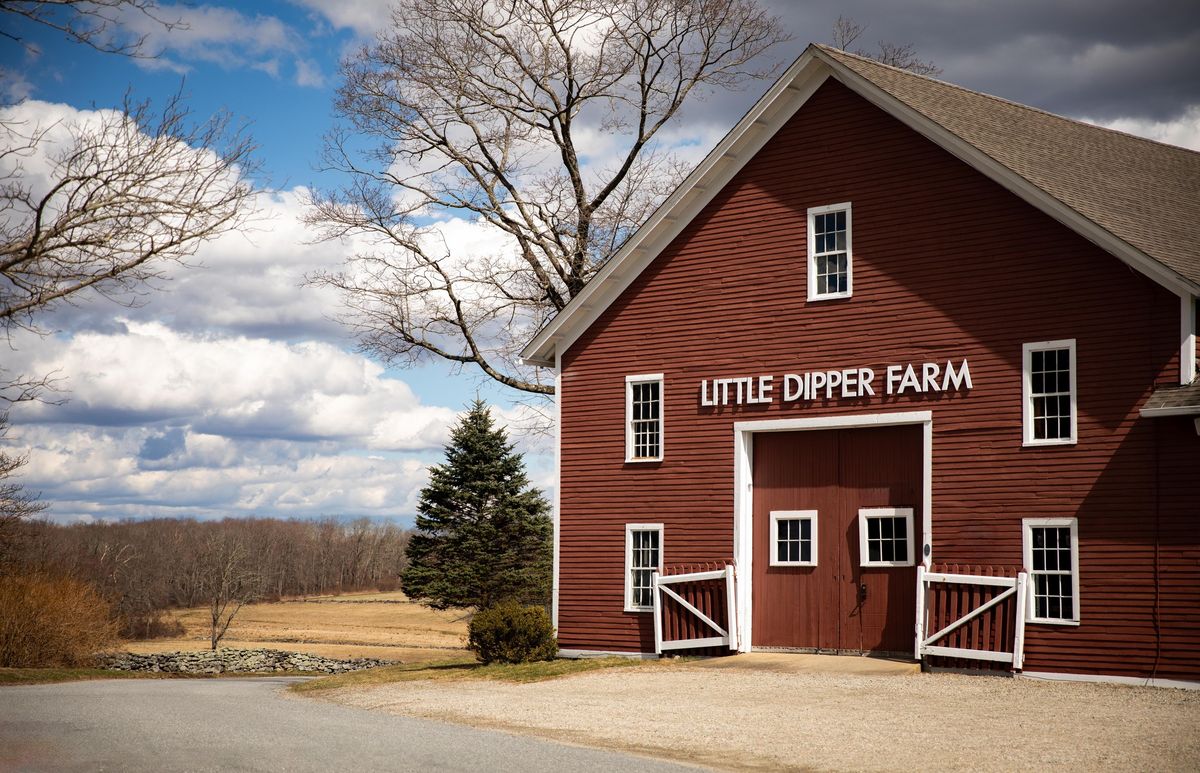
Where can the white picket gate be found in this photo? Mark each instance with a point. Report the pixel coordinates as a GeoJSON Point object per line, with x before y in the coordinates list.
{"type": "Point", "coordinates": [725, 636]}
{"type": "Point", "coordinates": [1017, 586]}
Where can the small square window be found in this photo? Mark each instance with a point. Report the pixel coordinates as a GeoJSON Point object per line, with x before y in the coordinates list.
{"type": "Point", "coordinates": [829, 254]}
{"type": "Point", "coordinates": [885, 536]}
{"type": "Point", "coordinates": [793, 537]}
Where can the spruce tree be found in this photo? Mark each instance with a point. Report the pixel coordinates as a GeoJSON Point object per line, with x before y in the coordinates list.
{"type": "Point", "coordinates": [483, 534]}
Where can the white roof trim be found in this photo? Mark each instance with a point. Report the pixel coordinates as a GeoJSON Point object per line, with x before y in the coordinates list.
{"type": "Point", "coordinates": [759, 125]}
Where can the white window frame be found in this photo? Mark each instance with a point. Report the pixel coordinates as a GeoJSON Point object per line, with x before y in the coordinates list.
{"type": "Point", "coordinates": [1027, 527]}
{"type": "Point", "coordinates": [813, 295]}
{"type": "Point", "coordinates": [793, 515]}
{"type": "Point", "coordinates": [1027, 351]}
{"type": "Point", "coordinates": [885, 512]}
{"type": "Point", "coordinates": [646, 378]}
{"type": "Point", "coordinates": [630, 528]}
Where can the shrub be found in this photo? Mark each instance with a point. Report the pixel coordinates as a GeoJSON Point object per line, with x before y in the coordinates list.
{"type": "Point", "coordinates": [51, 621]}
{"type": "Point", "coordinates": [512, 633]}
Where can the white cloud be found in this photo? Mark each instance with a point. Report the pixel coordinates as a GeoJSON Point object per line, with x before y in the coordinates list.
{"type": "Point", "coordinates": [220, 36]}
{"type": "Point", "coordinates": [233, 387]}
{"type": "Point", "coordinates": [245, 282]}
{"type": "Point", "coordinates": [364, 17]}
{"type": "Point", "coordinates": [1183, 131]}
{"type": "Point", "coordinates": [166, 423]}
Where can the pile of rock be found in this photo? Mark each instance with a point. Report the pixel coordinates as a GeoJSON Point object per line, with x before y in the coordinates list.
{"type": "Point", "coordinates": [235, 661]}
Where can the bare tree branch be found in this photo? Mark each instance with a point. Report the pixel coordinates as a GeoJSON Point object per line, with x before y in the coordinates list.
{"type": "Point", "coordinates": [125, 195]}
{"type": "Point", "coordinates": [535, 122]}
{"type": "Point", "coordinates": [94, 23]}
{"type": "Point", "coordinates": [16, 504]}
{"type": "Point", "coordinates": [902, 55]}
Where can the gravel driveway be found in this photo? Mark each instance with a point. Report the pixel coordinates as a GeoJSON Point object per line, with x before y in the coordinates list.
{"type": "Point", "coordinates": [751, 719]}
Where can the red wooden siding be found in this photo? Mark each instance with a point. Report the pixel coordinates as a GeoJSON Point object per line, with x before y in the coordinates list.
{"type": "Point", "coordinates": [947, 265]}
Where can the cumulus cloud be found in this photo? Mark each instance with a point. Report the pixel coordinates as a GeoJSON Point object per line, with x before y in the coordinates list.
{"type": "Point", "coordinates": [168, 423]}
{"type": "Point", "coordinates": [233, 387]}
{"type": "Point", "coordinates": [221, 36]}
{"type": "Point", "coordinates": [1183, 131]}
{"type": "Point", "coordinates": [364, 17]}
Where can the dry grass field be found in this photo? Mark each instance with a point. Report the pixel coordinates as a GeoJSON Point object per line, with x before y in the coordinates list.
{"type": "Point", "coordinates": [369, 625]}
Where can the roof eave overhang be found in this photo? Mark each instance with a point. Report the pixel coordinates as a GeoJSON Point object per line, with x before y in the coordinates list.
{"type": "Point", "coordinates": [1179, 410]}
{"type": "Point", "coordinates": [763, 120]}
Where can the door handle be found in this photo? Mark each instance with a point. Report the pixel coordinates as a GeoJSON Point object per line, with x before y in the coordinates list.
{"type": "Point", "coordinates": [862, 592]}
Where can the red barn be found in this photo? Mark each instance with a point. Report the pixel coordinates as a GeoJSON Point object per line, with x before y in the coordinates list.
{"type": "Point", "coordinates": [900, 368]}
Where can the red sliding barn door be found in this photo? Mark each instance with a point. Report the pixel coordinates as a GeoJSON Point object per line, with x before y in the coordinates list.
{"type": "Point", "coordinates": [846, 579]}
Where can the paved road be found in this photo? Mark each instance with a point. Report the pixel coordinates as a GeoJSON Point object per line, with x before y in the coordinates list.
{"type": "Point", "coordinates": [250, 724]}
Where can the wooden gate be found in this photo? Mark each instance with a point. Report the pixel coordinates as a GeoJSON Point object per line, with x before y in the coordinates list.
{"type": "Point", "coordinates": [694, 609]}
{"type": "Point", "coordinates": [976, 613]}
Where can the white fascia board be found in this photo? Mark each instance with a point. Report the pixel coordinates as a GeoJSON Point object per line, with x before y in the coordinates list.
{"type": "Point", "coordinates": [709, 177]}
{"type": "Point", "coordinates": [1010, 180]}
{"type": "Point", "coordinates": [1182, 410]}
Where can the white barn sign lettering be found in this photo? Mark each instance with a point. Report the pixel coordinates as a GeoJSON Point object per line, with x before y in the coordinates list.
{"type": "Point", "coordinates": [847, 383]}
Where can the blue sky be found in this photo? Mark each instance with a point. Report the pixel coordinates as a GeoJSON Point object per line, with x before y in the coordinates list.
{"type": "Point", "coordinates": [233, 392]}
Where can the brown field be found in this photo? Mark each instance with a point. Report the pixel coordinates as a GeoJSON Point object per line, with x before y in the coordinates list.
{"type": "Point", "coordinates": [362, 625]}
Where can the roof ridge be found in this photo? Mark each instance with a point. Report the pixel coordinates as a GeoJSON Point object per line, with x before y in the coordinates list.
{"type": "Point", "coordinates": [994, 98]}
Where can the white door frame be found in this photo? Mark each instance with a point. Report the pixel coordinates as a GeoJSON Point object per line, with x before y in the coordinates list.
{"type": "Point", "coordinates": [743, 490]}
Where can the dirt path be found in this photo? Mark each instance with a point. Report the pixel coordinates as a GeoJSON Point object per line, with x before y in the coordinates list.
{"type": "Point", "coordinates": [744, 719]}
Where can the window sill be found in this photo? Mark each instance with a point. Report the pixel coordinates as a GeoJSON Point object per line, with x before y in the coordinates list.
{"type": "Point", "coordinates": [837, 297]}
{"type": "Point", "coordinates": [639, 610]}
{"type": "Point", "coordinates": [1048, 443]}
{"type": "Point", "coordinates": [801, 564]}
{"type": "Point", "coordinates": [653, 460]}
{"type": "Point", "coordinates": [1038, 621]}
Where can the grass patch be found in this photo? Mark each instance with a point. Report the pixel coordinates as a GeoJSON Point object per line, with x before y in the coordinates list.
{"type": "Point", "coordinates": [52, 675]}
{"type": "Point", "coordinates": [468, 668]}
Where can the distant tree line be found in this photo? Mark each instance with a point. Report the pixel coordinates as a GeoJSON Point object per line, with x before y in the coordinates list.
{"type": "Point", "coordinates": [145, 567]}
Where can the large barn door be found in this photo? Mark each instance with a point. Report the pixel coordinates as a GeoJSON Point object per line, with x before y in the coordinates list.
{"type": "Point", "coordinates": [853, 589]}
{"type": "Point", "coordinates": [880, 485]}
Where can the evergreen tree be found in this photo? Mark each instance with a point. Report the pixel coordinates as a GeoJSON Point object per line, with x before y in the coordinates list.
{"type": "Point", "coordinates": [483, 534]}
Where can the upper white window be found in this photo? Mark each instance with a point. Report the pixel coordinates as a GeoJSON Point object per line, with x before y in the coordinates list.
{"type": "Point", "coordinates": [1049, 393]}
{"type": "Point", "coordinates": [793, 538]}
{"type": "Point", "coordinates": [829, 253]}
{"type": "Point", "coordinates": [643, 556]}
{"type": "Point", "coordinates": [644, 418]}
{"type": "Point", "coordinates": [885, 536]}
{"type": "Point", "coordinates": [1052, 560]}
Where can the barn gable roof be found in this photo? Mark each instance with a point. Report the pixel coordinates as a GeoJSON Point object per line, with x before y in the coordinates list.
{"type": "Point", "coordinates": [1135, 198]}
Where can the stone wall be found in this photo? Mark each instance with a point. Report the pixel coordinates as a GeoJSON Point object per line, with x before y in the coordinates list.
{"type": "Point", "coordinates": [226, 660]}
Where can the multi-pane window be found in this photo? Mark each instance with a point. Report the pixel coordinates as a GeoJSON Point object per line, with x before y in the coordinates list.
{"type": "Point", "coordinates": [885, 536]}
{"type": "Point", "coordinates": [1049, 381]}
{"type": "Point", "coordinates": [793, 538]}
{"type": "Point", "coordinates": [643, 437]}
{"type": "Point", "coordinates": [643, 555]}
{"type": "Point", "coordinates": [1051, 548]}
{"type": "Point", "coordinates": [829, 252]}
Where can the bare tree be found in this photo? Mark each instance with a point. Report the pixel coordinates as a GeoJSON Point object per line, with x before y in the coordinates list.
{"type": "Point", "coordinates": [95, 23]}
{"type": "Point", "coordinates": [125, 195]}
{"type": "Point", "coordinates": [229, 581]}
{"type": "Point", "coordinates": [534, 120]}
{"type": "Point", "coordinates": [902, 55]}
{"type": "Point", "coordinates": [16, 503]}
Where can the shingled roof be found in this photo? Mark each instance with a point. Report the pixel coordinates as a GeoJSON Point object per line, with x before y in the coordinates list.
{"type": "Point", "coordinates": [1143, 192]}
{"type": "Point", "coordinates": [1135, 198]}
